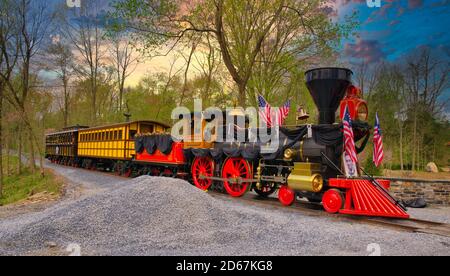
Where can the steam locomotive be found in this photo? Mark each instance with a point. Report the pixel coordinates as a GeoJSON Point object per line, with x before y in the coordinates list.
{"type": "Point", "coordinates": [307, 163]}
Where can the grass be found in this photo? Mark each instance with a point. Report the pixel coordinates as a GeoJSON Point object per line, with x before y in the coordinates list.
{"type": "Point", "coordinates": [19, 187]}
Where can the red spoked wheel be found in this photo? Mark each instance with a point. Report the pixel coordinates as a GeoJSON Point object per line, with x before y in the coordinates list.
{"type": "Point", "coordinates": [286, 196]}
{"type": "Point", "coordinates": [333, 201]}
{"type": "Point", "coordinates": [167, 173]}
{"type": "Point", "coordinates": [238, 169]}
{"type": "Point", "coordinates": [155, 172]}
{"type": "Point", "coordinates": [202, 166]}
{"type": "Point", "coordinates": [118, 169]}
{"type": "Point", "coordinates": [127, 172]}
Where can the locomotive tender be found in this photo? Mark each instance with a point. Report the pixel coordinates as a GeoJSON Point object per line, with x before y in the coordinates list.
{"type": "Point", "coordinates": [308, 162]}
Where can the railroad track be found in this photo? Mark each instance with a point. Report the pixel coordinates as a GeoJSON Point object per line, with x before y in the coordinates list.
{"type": "Point", "coordinates": [316, 210]}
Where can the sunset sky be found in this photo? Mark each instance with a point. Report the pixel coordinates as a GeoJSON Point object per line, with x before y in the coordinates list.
{"type": "Point", "coordinates": [386, 33]}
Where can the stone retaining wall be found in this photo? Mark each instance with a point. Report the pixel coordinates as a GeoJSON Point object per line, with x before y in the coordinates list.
{"type": "Point", "coordinates": [434, 192]}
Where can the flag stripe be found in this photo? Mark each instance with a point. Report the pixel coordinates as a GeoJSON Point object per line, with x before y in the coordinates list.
{"type": "Point", "coordinates": [378, 151]}
{"type": "Point", "coordinates": [349, 140]}
{"type": "Point", "coordinates": [273, 117]}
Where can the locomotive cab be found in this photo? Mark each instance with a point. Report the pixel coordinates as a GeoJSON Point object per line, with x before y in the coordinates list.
{"type": "Point", "coordinates": [205, 129]}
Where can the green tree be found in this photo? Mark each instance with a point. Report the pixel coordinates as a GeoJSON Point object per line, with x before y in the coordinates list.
{"type": "Point", "coordinates": [249, 34]}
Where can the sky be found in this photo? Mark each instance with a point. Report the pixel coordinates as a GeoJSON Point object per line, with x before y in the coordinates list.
{"type": "Point", "coordinates": [396, 28]}
{"type": "Point", "coordinates": [385, 33]}
{"type": "Point", "coordinates": [388, 32]}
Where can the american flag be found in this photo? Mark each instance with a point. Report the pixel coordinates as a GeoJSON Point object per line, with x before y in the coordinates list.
{"type": "Point", "coordinates": [269, 115]}
{"type": "Point", "coordinates": [283, 113]}
{"type": "Point", "coordinates": [265, 111]}
{"type": "Point", "coordinates": [378, 153]}
{"type": "Point", "coordinates": [349, 140]}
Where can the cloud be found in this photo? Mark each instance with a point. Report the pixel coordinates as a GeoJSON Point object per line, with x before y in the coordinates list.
{"type": "Point", "coordinates": [369, 51]}
{"type": "Point", "coordinates": [414, 4]}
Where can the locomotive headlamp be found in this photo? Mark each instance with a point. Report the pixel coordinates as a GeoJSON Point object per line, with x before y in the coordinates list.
{"type": "Point", "coordinates": [363, 112]}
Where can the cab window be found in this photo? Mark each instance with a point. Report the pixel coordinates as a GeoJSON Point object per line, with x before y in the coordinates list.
{"type": "Point", "coordinates": [147, 129]}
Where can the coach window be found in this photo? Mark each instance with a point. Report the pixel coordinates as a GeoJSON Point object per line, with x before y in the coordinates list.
{"type": "Point", "coordinates": [120, 135]}
{"type": "Point", "coordinates": [132, 134]}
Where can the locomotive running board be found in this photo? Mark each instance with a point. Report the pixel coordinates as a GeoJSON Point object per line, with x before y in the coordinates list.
{"type": "Point", "coordinates": [231, 180]}
{"type": "Point", "coordinates": [239, 180]}
{"type": "Point", "coordinates": [364, 199]}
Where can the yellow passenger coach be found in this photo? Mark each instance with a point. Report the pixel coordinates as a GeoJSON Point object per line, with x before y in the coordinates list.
{"type": "Point", "coordinates": [116, 141]}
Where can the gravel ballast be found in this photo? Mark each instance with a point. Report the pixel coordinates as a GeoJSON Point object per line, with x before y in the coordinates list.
{"type": "Point", "coordinates": [161, 216]}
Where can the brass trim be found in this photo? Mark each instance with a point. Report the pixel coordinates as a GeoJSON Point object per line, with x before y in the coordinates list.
{"type": "Point", "coordinates": [301, 150]}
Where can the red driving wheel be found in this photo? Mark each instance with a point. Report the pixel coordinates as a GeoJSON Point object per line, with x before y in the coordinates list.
{"type": "Point", "coordinates": [239, 169]}
{"type": "Point", "coordinates": [118, 169]}
{"type": "Point", "coordinates": [127, 173]}
{"type": "Point", "coordinates": [333, 201]}
{"type": "Point", "coordinates": [286, 196]}
{"type": "Point", "coordinates": [202, 166]}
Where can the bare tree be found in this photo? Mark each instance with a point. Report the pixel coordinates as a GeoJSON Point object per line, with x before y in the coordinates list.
{"type": "Point", "coordinates": [173, 73]}
{"type": "Point", "coordinates": [59, 58]}
{"type": "Point", "coordinates": [367, 75]}
{"type": "Point", "coordinates": [30, 22]}
{"type": "Point", "coordinates": [209, 63]}
{"type": "Point", "coordinates": [241, 28]}
{"type": "Point", "coordinates": [427, 78]}
{"type": "Point", "coordinates": [87, 36]}
{"type": "Point", "coordinates": [124, 60]}
{"type": "Point", "coordinates": [188, 58]}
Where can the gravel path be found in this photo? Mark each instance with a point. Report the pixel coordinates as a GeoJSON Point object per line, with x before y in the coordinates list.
{"type": "Point", "coordinates": [438, 214]}
{"type": "Point", "coordinates": [160, 216]}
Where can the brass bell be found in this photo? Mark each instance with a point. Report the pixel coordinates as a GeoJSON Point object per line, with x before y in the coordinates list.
{"type": "Point", "coordinates": [302, 115]}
